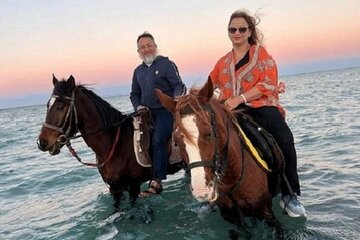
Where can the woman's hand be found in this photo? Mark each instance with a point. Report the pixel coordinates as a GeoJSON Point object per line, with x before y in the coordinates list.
{"type": "Point", "coordinates": [232, 103]}
{"type": "Point", "coordinates": [280, 88]}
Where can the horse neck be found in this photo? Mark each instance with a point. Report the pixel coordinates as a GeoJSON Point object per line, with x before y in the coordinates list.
{"type": "Point", "coordinates": [235, 148]}
{"type": "Point", "coordinates": [89, 120]}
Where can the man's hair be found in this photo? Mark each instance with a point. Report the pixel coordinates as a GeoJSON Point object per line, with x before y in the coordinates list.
{"type": "Point", "coordinates": [145, 35]}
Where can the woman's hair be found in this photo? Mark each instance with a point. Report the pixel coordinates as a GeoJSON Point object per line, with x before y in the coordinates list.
{"type": "Point", "coordinates": [256, 35]}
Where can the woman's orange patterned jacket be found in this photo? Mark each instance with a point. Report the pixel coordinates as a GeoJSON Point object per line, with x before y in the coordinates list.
{"type": "Point", "coordinates": [260, 71]}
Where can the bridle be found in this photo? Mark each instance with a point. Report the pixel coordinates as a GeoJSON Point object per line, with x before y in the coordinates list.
{"type": "Point", "coordinates": [64, 138]}
{"type": "Point", "coordinates": [71, 113]}
{"type": "Point", "coordinates": [217, 162]}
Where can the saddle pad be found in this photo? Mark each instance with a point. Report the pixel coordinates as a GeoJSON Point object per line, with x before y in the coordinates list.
{"type": "Point", "coordinates": [252, 149]}
{"type": "Point", "coordinates": [141, 146]}
{"type": "Point", "coordinates": [141, 151]}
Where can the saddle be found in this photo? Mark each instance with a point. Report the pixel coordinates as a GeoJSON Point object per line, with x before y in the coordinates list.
{"type": "Point", "coordinates": [264, 143]}
{"type": "Point", "coordinates": [142, 140]}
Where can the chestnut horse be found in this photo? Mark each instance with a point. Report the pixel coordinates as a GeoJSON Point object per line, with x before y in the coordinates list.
{"type": "Point", "coordinates": [109, 133]}
{"type": "Point", "coordinates": [222, 169]}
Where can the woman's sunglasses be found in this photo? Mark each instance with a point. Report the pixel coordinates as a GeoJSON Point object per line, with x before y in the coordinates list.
{"type": "Point", "coordinates": [241, 30]}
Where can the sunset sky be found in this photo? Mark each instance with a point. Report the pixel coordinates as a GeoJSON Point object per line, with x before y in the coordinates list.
{"type": "Point", "coordinates": [95, 41]}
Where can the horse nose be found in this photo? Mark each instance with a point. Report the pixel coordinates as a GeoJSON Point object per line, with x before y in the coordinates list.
{"type": "Point", "coordinates": [201, 196]}
{"type": "Point", "coordinates": [42, 144]}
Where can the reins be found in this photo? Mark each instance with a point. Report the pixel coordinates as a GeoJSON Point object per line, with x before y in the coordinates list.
{"type": "Point", "coordinates": [104, 129]}
{"type": "Point", "coordinates": [73, 152]}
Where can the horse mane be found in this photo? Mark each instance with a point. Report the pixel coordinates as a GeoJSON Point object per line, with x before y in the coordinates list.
{"type": "Point", "coordinates": [190, 101]}
{"type": "Point", "coordinates": [108, 113]}
{"type": "Point", "coordinates": [194, 102]}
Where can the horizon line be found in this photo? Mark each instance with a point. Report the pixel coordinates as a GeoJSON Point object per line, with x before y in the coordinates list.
{"type": "Point", "coordinates": [41, 95]}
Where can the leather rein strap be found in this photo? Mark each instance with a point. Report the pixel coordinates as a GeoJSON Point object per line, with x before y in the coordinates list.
{"type": "Point", "coordinates": [73, 152]}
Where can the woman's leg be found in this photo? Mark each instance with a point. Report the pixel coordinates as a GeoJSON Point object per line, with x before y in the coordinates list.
{"type": "Point", "coordinates": [273, 122]}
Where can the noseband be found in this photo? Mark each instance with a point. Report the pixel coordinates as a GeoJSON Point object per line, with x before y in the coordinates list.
{"type": "Point", "coordinates": [219, 164]}
{"type": "Point", "coordinates": [64, 137]}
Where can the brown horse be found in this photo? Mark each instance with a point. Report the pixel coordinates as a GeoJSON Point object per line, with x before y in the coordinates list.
{"type": "Point", "coordinates": [222, 169]}
{"type": "Point", "coordinates": [109, 133]}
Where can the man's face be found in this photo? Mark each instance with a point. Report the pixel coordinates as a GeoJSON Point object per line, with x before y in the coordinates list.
{"type": "Point", "coordinates": [147, 49]}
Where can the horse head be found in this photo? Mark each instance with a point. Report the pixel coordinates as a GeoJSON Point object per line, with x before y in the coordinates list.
{"type": "Point", "coordinates": [197, 124]}
{"type": "Point", "coordinates": [61, 117]}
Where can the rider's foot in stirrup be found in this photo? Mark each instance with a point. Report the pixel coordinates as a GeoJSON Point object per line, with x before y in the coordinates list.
{"type": "Point", "coordinates": [292, 206]}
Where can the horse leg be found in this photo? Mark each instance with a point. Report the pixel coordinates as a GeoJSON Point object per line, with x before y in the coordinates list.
{"type": "Point", "coordinates": [228, 215]}
{"type": "Point", "coordinates": [134, 190]}
{"type": "Point", "coordinates": [232, 215]}
{"type": "Point", "coordinates": [233, 234]}
{"type": "Point", "coordinates": [235, 216]}
{"type": "Point", "coordinates": [117, 193]}
{"type": "Point", "coordinates": [272, 222]}
{"type": "Point", "coordinates": [117, 199]}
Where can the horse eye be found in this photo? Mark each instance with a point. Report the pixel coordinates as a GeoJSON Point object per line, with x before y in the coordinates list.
{"type": "Point", "coordinates": [209, 135]}
{"type": "Point", "coordinates": [177, 138]}
{"type": "Point", "coordinates": [178, 134]}
{"type": "Point", "coordinates": [60, 107]}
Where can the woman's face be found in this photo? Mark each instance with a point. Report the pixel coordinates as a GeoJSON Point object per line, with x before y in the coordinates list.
{"type": "Point", "coordinates": [239, 31]}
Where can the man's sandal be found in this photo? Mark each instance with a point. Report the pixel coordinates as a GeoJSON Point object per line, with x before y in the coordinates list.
{"type": "Point", "coordinates": [155, 187]}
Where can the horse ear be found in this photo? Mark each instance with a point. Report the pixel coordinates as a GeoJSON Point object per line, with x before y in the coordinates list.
{"type": "Point", "coordinates": [71, 82]}
{"type": "Point", "coordinates": [55, 81]}
{"type": "Point", "coordinates": [207, 90]}
{"type": "Point", "coordinates": [166, 101]}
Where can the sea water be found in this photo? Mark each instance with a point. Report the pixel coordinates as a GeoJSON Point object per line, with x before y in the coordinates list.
{"type": "Point", "coordinates": [55, 197]}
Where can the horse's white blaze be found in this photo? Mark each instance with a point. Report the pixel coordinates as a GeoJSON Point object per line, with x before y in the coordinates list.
{"type": "Point", "coordinates": [200, 190]}
{"type": "Point", "coordinates": [51, 102]}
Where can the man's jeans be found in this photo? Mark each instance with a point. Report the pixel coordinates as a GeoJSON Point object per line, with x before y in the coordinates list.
{"type": "Point", "coordinates": [163, 126]}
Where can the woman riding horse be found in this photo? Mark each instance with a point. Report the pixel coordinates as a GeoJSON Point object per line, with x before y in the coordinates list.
{"type": "Point", "coordinates": [222, 168]}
